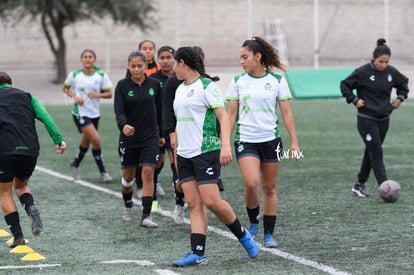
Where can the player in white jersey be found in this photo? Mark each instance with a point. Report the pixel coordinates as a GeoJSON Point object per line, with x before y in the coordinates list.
{"type": "Point", "coordinates": [203, 136]}
{"type": "Point", "coordinates": [253, 97]}
{"type": "Point", "coordinates": [86, 87]}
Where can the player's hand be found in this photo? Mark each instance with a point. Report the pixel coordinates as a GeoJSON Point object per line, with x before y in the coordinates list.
{"type": "Point", "coordinates": [225, 154]}
{"type": "Point", "coordinates": [162, 142]}
{"type": "Point", "coordinates": [360, 103]}
{"type": "Point", "coordinates": [60, 148]}
{"type": "Point", "coordinates": [128, 130]}
{"type": "Point", "coordinates": [396, 103]}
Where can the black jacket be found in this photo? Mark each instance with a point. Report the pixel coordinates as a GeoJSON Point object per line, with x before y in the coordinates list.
{"type": "Point", "coordinates": [140, 107]}
{"type": "Point", "coordinates": [169, 119]}
{"type": "Point", "coordinates": [18, 111]}
{"type": "Point", "coordinates": [374, 87]}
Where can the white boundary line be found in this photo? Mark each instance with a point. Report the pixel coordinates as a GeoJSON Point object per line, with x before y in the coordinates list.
{"type": "Point", "coordinates": [218, 231]}
{"type": "Point", "coordinates": [28, 266]}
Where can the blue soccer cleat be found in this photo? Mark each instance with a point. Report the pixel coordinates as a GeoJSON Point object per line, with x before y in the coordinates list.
{"type": "Point", "coordinates": [191, 259]}
{"type": "Point", "coordinates": [253, 229]}
{"type": "Point", "coordinates": [250, 245]}
{"type": "Point", "coordinates": [269, 241]}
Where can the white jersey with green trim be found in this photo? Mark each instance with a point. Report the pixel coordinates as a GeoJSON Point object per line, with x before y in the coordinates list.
{"type": "Point", "coordinates": [82, 85]}
{"type": "Point", "coordinates": [197, 126]}
{"type": "Point", "coordinates": [257, 120]}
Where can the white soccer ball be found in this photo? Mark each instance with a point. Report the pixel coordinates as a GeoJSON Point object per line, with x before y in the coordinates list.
{"type": "Point", "coordinates": [389, 191]}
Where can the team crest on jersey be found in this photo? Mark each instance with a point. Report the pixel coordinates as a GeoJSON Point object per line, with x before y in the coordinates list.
{"type": "Point", "coordinates": [389, 78]}
{"type": "Point", "coordinates": [151, 92]}
{"type": "Point", "coordinates": [190, 93]}
{"type": "Point", "coordinates": [268, 86]}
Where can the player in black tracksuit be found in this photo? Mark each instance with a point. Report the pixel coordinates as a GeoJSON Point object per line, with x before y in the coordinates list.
{"type": "Point", "coordinates": [373, 83]}
{"type": "Point", "coordinates": [19, 150]}
{"type": "Point", "coordinates": [138, 114]}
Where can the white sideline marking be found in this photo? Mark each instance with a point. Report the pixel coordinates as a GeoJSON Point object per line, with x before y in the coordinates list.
{"type": "Point", "coordinates": [166, 272]}
{"type": "Point", "coordinates": [141, 263]}
{"type": "Point", "coordinates": [218, 231]}
{"type": "Point", "coordinates": [29, 266]}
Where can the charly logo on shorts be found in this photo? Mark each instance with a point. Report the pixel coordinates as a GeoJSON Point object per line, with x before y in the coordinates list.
{"type": "Point", "coordinates": [209, 171]}
{"type": "Point", "coordinates": [368, 137]}
{"type": "Point", "coordinates": [240, 148]}
{"type": "Point", "coordinates": [81, 121]}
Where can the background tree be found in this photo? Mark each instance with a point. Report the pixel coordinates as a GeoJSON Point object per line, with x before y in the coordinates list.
{"type": "Point", "coordinates": [55, 15]}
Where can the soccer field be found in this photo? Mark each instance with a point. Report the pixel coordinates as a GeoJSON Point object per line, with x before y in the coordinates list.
{"type": "Point", "coordinates": [321, 227]}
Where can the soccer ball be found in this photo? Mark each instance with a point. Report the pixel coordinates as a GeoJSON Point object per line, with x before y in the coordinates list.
{"type": "Point", "coordinates": [389, 191]}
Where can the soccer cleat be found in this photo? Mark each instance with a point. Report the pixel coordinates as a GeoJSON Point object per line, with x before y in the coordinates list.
{"type": "Point", "coordinates": [36, 222]}
{"type": "Point", "coordinates": [359, 190]}
{"type": "Point", "coordinates": [75, 171]}
{"type": "Point", "coordinates": [250, 245]}
{"type": "Point", "coordinates": [178, 214]}
{"type": "Point", "coordinates": [139, 193]}
{"type": "Point", "coordinates": [147, 222]}
{"type": "Point", "coordinates": [191, 259]}
{"type": "Point", "coordinates": [18, 241]}
{"type": "Point", "coordinates": [253, 229]}
{"type": "Point", "coordinates": [106, 177]}
{"type": "Point", "coordinates": [127, 214]}
{"type": "Point", "coordinates": [269, 241]}
{"type": "Point", "coordinates": [160, 190]}
{"type": "Point", "coordinates": [154, 206]}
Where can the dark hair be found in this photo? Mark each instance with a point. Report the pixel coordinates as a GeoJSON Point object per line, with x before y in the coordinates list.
{"type": "Point", "coordinates": [132, 55]}
{"type": "Point", "coordinates": [381, 48]}
{"type": "Point", "coordinates": [270, 56]}
{"type": "Point", "coordinates": [137, 54]}
{"type": "Point", "coordinates": [143, 41]}
{"type": "Point", "coordinates": [165, 49]}
{"type": "Point", "coordinates": [5, 78]}
{"type": "Point", "coordinates": [198, 50]}
{"type": "Point", "coordinates": [90, 51]}
{"type": "Point", "coordinates": [193, 59]}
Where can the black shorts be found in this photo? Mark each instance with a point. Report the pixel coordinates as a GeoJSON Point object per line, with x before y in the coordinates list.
{"type": "Point", "coordinates": [19, 166]}
{"type": "Point", "coordinates": [268, 151]}
{"type": "Point", "coordinates": [83, 121]}
{"type": "Point", "coordinates": [146, 156]}
{"type": "Point", "coordinates": [204, 168]}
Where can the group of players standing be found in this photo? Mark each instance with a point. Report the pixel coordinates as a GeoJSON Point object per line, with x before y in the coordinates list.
{"type": "Point", "coordinates": [175, 107]}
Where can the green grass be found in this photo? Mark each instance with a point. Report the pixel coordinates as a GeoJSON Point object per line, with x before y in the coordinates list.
{"type": "Point", "coordinates": [318, 217]}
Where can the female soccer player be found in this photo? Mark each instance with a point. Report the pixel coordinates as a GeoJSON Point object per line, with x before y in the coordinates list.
{"type": "Point", "coordinates": [199, 109]}
{"type": "Point", "coordinates": [374, 82]}
{"type": "Point", "coordinates": [166, 61]}
{"type": "Point", "coordinates": [86, 87]}
{"type": "Point", "coordinates": [148, 48]}
{"type": "Point", "coordinates": [138, 115]}
{"type": "Point", "coordinates": [19, 150]}
{"type": "Point", "coordinates": [253, 97]}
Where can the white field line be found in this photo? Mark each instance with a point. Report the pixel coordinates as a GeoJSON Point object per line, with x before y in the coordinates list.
{"type": "Point", "coordinates": [29, 266]}
{"type": "Point", "coordinates": [277, 252]}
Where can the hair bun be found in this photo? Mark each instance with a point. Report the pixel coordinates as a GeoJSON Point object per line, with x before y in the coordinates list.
{"type": "Point", "coordinates": [381, 41]}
